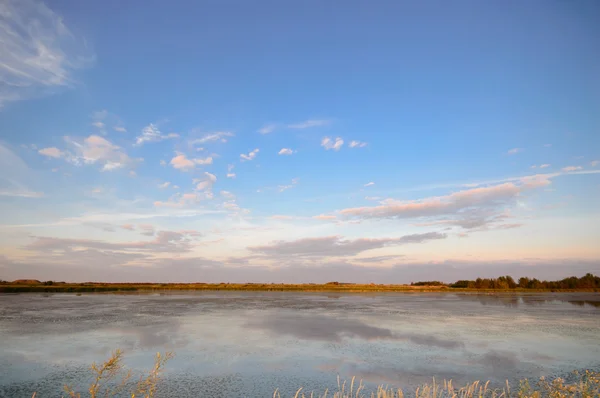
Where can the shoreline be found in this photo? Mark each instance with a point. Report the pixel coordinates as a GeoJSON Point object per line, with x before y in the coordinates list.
{"type": "Point", "coordinates": [309, 288]}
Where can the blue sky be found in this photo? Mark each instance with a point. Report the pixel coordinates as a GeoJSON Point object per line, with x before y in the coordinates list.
{"type": "Point", "coordinates": [298, 142]}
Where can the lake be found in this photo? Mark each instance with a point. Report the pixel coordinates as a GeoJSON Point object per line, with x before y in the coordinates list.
{"type": "Point", "coordinates": [249, 343]}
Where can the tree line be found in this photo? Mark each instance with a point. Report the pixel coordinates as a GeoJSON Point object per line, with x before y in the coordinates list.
{"type": "Point", "coordinates": [588, 281]}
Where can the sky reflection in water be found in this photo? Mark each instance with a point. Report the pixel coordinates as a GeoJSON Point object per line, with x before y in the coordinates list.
{"type": "Point", "coordinates": [251, 343]}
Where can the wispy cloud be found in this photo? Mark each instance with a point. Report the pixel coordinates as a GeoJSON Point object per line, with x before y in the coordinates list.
{"type": "Point", "coordinates": [310, 123]}
{"type": "Point", "coordinates": [267, 128]}
{"type": "Point", "coordinates": [180, 200]}
{"type": "Point", "coordinates": [325, 217]}
{"type": "Point", "coordinates": [91, 150]}
{"type": "Point", "coordinates": [249, 156]}
{"type": "Point", "coordinates": [357, 144]}
{"type": "Point", "coordinates": [328, 143]}
{"type": "Point", "coordinates": [151, 133]}
{"type": "Point", "coordinates": [51, 152]}
{"type": "Point", "coordinates": [368, 184]}
{"type": "Point", "coordinates": [285, 151]}
{"type": "Point", "coordinates": [164, 185]}
{"type": "Point", "coordinates": [294, 182]}
{"type": "Point", "coordinates": [212, 137]}
{"type": "Point", "coordinates": [230, 173]}
{"type": "Point", "coordinates": [336, 246]}
{"type": "Point", "coordinates": [514, 151]}
{"type": "Point", "coordinates": [569, 169]}
{"type": "Point", "coordinates": [594, 163]}
{"type": "Point", "coordinates": [38, 52]}
{"type": "Point", "coordinates": [470, 208]}
{"type": "Point", "coordinates": [206, 182]}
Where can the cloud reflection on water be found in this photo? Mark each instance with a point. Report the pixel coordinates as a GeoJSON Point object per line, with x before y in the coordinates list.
{"type": "Point", "coordinates": [330, 328]}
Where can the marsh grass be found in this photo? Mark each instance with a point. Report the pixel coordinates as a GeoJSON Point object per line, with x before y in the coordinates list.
{"type": "Point", "coordinates": [110, 379]}
{"type": "Point", "coordinates": [584, 385]}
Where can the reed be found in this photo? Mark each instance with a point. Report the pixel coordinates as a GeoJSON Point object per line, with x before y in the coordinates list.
{"type": "Point", "coordinates": [110, 379]}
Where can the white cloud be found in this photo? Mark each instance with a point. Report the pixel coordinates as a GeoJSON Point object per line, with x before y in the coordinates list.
{"type": "Point", "coordinates": [216, 136]}
{"type": "Point", "coordinates": [249, 156]}
{"type": "Point", "coordinates": [291, 185]}
{"type": "Point", "coordinates": [91, 150]}
{"type": "Point", "coordinates": [514, 151]}
{"type": "Point", "coordinates": [38, 52]}
{"type": "Point", "coordinates": [227, 195]}
{"type": "Point", "coordinates": [181, 162]}
{"type": "Point", "coordinates": [569, 169]}
{"type": "Point", "coordinates": [206, 183]}
{"type": "Point", "coordinates": [594, 163]}
{"type": "Point", "coordinates": [163, 163]}
{"type": "Point", "coordinates": [285, 151]}
{"type": "Point", "coordinates": [180, 200]}
{"type": "Point", "coordinates": [357, 144]}
{"type": "Point", "coordinates": [229, 171]}
{"type": "Point", "coordinates": [120, 129]}
{"type": "Point", "coordinates": [151, 133]}
{"type": "Point", "coordinates": [98, 124]}
{"type": "Point", "coordinates": [369, 184]}
{"type": "Point", "coordinates": [328, 143]}
{"type": "Point", "coordinates": [164, 185]}
{"type": "Point", "coordinates": [310, 123]}
{"type": "Point", "coordinates": [268, 128]}
{"type": "Point", "coordinates": [541, 166]}
{"type": "Point", "coordinates": [51, 152]}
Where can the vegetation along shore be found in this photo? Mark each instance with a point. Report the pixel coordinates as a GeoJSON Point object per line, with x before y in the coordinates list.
{"type": "Point", "coordinates": [111, 379]}
{"type": "Point", "coordinates": [587, 283]}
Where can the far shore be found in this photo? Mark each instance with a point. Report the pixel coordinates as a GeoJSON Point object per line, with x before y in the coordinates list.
{"type": "Point", "coordinates": [63, 287]}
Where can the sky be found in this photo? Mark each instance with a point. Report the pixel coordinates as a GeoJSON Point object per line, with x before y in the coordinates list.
{"type": "Point", "coordinates": [270, 141]}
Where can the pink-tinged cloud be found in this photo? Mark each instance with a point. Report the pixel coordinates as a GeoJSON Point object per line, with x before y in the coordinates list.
{"type": "Point", "coordinates": [51, 152]}
{"type": "Point", "coordinates": [181, 162]}
{"type": "Point", "coordinates": [569, 169]}
{"type": "Point", "coordinates": [456, 204]}
{"type": "Point", "coordinates": [325, 217]}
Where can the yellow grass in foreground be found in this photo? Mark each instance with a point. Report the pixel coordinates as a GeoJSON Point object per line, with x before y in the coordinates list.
{"type": "Point", "coordinates": [110, 380]}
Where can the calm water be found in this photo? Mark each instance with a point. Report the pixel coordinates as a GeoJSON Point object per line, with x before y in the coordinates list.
{"type": "Point", "coordinates": [247, 344]}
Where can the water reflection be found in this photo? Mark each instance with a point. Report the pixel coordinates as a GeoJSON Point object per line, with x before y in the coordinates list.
{"type": "Point", "coordinates": [248, 343]}
{"type": "Point", "coordinates": [515, 300]}
{"type": "Point", "coordinates": [330, 328]}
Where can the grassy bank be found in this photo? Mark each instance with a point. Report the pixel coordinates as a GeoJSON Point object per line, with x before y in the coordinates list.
{"type": "Point", "coordinates": [57, 287]}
